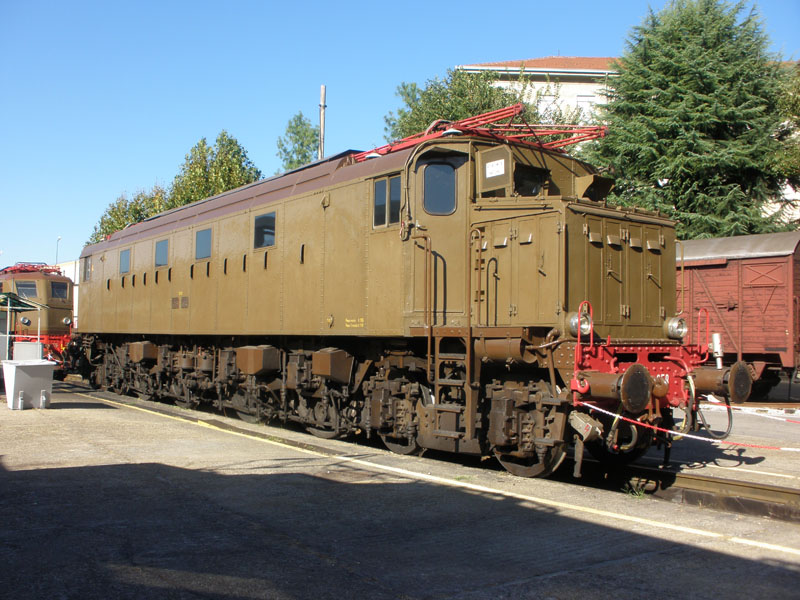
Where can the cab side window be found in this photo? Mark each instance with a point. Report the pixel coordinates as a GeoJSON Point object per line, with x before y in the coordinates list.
{"type": "Point", "coordinates": [386, 201]}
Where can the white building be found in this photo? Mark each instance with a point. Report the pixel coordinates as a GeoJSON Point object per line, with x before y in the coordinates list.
{"type": "Point", "coordinates": [582, 79]}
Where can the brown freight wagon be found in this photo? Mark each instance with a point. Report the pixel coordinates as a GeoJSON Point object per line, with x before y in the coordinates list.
{"type": "Point", "coordinates": [750, 286]}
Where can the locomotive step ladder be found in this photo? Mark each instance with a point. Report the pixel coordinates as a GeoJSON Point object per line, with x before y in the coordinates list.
{"type": "Point", "coordinates": [454, 396]}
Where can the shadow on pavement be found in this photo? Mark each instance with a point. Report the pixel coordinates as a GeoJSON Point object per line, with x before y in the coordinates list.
{"type": "Point", "coordinates": [157, 531]}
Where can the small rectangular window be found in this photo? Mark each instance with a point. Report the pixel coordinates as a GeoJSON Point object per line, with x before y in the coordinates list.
{"type": "Point", "coordinates": [125, 261]}
{"type": "Point", "coordinates": [394, 199]}
{"type": "Point", "coordinates": [162, 253]}
{"type": "Point", "coordinates": [386, 199]}
{"type": "Point", "coordinates": [58, 290]}
{"type": "Point", "coordinates": [202, 244]}
{"type": "Point", "coordinates": [26, 289]}
{"type": "Point", "coordinates": [264, 231]}
{"type": "Point", "coordinates": [379, 203]}
{"type": "Point", "coordinates": [87, 268]}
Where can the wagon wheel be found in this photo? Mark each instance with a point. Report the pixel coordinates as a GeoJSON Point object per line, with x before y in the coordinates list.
{"type": "Point", "coordinates": [532, 466]}
{"type": "Point", "coordinates": [405, 446]}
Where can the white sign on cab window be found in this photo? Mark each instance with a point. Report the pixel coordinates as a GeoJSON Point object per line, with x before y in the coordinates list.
{"type": "Point", "coordinates": [495, 168]}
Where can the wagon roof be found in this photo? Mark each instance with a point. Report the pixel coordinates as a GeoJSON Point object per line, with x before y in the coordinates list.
{"type": "Point", "coordinates": [743, 246]}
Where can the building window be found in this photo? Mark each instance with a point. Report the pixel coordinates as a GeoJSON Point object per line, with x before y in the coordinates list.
{"type": "Point", "coordinates": [440, 189]}
{"type": "Point", "coordinates": [264, 231]}
{"type": "Point", "coordinates": [26, 289]}
{"type": "Point", "coordinates": [162, 253]}
{"type": "Point", "coordinates": [386, 201]}
{"type": "Point", "coordinates": [58, 290]}
{"type": "Point", "coordinates": [202, 244]}
{"type": "Point", "coordinates": [125, 261]}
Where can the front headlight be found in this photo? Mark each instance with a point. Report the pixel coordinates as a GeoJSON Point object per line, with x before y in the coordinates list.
{"type": "Point", "coordinates": [585, 324]}
{"type": "Point", "coordinates": [675, 328]}
{"type": "Point", "coordinates": [66, 321]}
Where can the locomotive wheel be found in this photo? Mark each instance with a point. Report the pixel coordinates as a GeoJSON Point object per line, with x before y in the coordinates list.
{"type": "Point", "coordinates": [239, 399]}
{"type": "Point", "coordinates": [532, 466]}
{"type": "Point", "coordinates": [187, 400]}
{"type": "Point", "coordinates": [248, 418]}
{"type": "Point", "coordinates": [325, 434]}
{"type": "Point", "coordinates": [401, 445]}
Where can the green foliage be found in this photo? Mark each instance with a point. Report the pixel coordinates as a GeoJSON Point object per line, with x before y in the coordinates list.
{"type": "Point", "coordinates": [207, 171]}
{"type": "Point", "coordinates": [692, 120]}
{"type": "Point", "coordinates": [788, 161]}
{"type": "Point", "coordinates": [124, 211]}
{"type": "Point", "coordinates": [461, 94]}
{"type": "Point", "coordinates": [299, 145]}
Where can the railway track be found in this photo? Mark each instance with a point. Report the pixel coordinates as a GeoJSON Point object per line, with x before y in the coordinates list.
{"type": "Point", "coordinates": [745, 497]}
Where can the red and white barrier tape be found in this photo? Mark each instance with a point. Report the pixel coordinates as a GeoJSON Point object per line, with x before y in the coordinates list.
{"type": "Point", "coordinates": [713, 400]}
{"type": "Point", "coordinates": [684, 435]}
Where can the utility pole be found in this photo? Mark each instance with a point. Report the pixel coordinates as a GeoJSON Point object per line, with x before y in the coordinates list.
{"type": "Point", "coordinates": [322, 106]}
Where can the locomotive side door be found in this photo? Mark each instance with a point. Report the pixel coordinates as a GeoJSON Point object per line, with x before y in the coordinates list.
{"type": "Point", "coordinates": [440, 219]}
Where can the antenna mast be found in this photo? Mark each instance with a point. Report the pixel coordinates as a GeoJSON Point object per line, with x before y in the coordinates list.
{"type": "Point", "coordinates": [322, 106]}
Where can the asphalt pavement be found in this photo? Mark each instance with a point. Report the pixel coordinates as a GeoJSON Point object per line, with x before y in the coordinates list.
{"type": "Point", "coordinates": [113, 498]}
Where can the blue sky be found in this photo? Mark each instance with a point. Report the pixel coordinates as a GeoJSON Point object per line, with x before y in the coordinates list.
{"type": "Point", "coordinates": [103, 98]}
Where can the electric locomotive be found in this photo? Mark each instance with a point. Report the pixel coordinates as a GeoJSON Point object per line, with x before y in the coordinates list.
{"type": "Point", "coordinates": [466, 289]}
{"type": "Point", "coordinates": [52, 325]}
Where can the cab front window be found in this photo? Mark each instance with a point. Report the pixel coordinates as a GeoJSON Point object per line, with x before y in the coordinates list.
{"type": "Point", "coordinates": [440, 189]}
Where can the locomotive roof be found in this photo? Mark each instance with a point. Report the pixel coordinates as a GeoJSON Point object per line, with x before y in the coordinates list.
{"type": "Point", "coordinates": [743, 246]}
{"type": "Point", "coordinates": [314, 176]}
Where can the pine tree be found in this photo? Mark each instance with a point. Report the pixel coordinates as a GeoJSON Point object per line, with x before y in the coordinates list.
{"type": "Point", "coordinates": [692, 118]}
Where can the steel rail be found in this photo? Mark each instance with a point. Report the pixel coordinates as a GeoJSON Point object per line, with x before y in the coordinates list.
{"type": "Point", "coordinates": [716, 492]}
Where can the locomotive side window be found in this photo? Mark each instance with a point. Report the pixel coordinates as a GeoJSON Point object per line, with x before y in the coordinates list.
{"type": "Point", "coordinates": [124, 261]}
{"type": "Point", "coordinates": [58, 290]}
{"type": "Point", "coordinates": [162, 253]}
{"type": "Point", "coordinates": [439, 189]}
{"type": "Point", "coordinates": [202, 244]}
{"type": "Point", "coordinates": [264, 231]}
{"type": "Point", "coordinates": [386, 194]}
{"type": "Point", "coordinates": [87, 268]}
{"type": "Point", "coordinates": [529, 181]}
{"type": "Point", "coordinates": [26, 289]}
{"type": "Point", "coordinates": [379, 203]}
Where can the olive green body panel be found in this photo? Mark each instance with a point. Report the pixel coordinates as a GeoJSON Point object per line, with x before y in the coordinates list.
{"type": "Point", "coordinates": [498, 257]}
{"type": "Point", "coordinates": [49, 289]}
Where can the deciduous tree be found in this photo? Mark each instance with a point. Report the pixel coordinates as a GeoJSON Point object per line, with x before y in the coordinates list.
{"type": "Point", "coordinates": [298, 146]}
{"type": "Point", "coordinates": [208, 171]}
{"type": "Point", "coordinates": [461, 94]}
{"type": "Point", "coordinates": [125, 211]}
